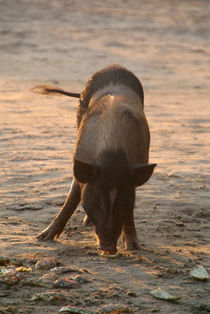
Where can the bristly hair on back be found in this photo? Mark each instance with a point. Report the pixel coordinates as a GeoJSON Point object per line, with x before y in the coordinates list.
{"type": "Point", "coordinates": [113, 74]}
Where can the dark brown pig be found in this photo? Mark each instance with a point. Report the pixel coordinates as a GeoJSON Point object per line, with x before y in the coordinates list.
{"type": "Point", "coordinates": [110, 158]}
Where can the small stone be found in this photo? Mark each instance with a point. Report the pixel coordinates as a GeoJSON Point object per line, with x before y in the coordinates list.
{"type": "Point", "coordinates": [161, 294]}
{"type": "Point", "coordinates": [200, 273]}
{"type": "Point", "coordinates": [50, 296]}
{"type": "Point", "coordinates": [79, 279]}
{"type": "Point", "coordinates": [68, 269]}
{"type": "Point", "coordinates": [47, 263]}
{"type": "Point", "coordinates": [65, 282]}
{"type": "Point", "coordinates": [48, 278]}
{"type": "Point", "coordinates": [131, 294]}
{"type": "Point", "coordinates": [114, 308]}
{"type": "Point", "coordinates": [34, 283]}
{"type": "Point", "coordinates": [15, 207]}
{"type": "Point", "coordinates": [10, 276]}
{"type": "Point", "coordinates": [32, 207]}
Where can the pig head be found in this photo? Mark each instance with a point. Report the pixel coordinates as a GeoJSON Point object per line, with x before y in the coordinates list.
{"type": "Point", "coordinates": [108, 194]}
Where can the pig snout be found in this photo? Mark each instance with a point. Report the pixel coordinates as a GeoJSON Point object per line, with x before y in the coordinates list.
{"type": "Point", "coordinates": [108, 247]}
{"type": "Point", "coordinates": [107, 237]}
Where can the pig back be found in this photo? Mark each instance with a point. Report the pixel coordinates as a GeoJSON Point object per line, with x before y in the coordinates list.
{"type": "Point", "coordinates": [114, 121]}
{"type": "Point", "coordinates": [111, 75]}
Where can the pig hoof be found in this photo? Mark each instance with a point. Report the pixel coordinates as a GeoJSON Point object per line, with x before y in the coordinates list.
{"type": "Point", "coordinates": [47, 235]}
{"type": "Point", "coordinates": [44, 237]}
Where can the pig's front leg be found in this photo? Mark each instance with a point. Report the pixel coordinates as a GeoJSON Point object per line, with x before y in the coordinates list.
{"type": "Point", "coordinates": [129, 233]}
{"type": "Point", "coordinates": [57, 225]}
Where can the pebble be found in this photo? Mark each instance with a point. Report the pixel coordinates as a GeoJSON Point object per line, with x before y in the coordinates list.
{"type": "Point", "coordinates": [199, 272]}
{"type": "Point", "coordinates": [65, 282]}
{"type": "Point", "coordinates": [48, 278]}
{"type": "Point", "coordinates": [10, 276]}
{"type": "Point", "coordinates": [79, 279]}
{"type": "Point", "coordinates": [131, 294]}
{"type": "Point", "coordinates": [47, 263]}
{"type": "Point", "coordinates": [21, 207]}
{"type": "Point", "coordinates": [15, 207]}
{"type": "Point", "coordinates": [114, 308]}
{"type": "Point", "coordinates": [73, 309]}
{"type": "Point", "coordinates": [50, 296]}
{"type": "Point", "coordinates": [161, 294]}
{"type": "Point", "coordinates": [66, 269]}
{"type": "Point", "coordinates": [32, 207]}
{"type": "Point", "coordinates": [54, 277]}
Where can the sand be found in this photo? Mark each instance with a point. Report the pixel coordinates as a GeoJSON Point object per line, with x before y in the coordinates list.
{"type": "Point", "coordinates": [59, 42]}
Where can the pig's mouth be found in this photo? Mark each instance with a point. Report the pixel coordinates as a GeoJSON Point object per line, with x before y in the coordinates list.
{"type": "Point", "coordinates": [105, 252]}
{"type": "Point", "coordinates": [107, 249]}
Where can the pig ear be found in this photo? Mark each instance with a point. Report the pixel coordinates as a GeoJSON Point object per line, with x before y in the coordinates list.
{"type": "Point", "coordinates": [83, 172]}
{"type": "Point", "coordinates": [141, 173]}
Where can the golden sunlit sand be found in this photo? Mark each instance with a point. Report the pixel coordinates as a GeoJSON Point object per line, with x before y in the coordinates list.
{"type": "Point", "coordinates": [63, 43]}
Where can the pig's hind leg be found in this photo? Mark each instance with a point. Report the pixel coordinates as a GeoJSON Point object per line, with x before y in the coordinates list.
{"type": "Point", "coordinates": [57, 225]}
{"type": "Point", "coordinates": [129, 233]}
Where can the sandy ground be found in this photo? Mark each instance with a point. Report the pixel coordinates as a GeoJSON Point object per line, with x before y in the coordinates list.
{"type": "Point", "coordinates": [167, 45]}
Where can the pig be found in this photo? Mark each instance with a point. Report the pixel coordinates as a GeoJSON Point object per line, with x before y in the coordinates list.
{"type": "Point", "coordinates": [110, 159]}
